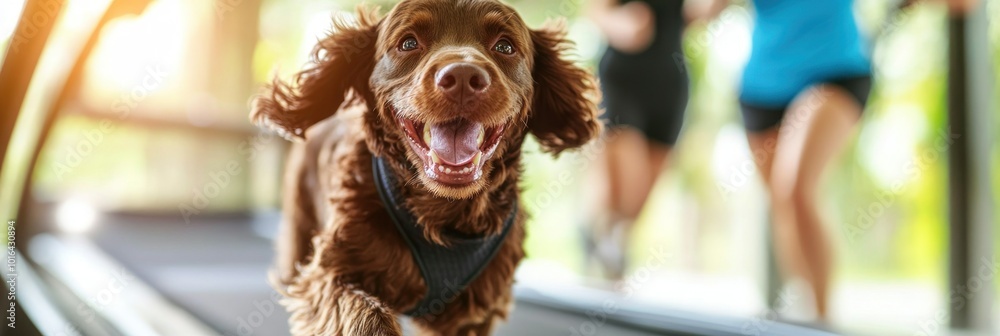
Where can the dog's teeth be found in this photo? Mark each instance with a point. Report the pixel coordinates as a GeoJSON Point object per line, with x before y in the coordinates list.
{"type": "Point", "coordinates": [427, 134]}
{"type": "Point", "coordinates": [434, 157]}
{"type": "Point", "coordinates": [441, 168]}
{"type": "Point", "coordinates": [482, 136]}
{"type": "Point", "coordinates": [476, 159]}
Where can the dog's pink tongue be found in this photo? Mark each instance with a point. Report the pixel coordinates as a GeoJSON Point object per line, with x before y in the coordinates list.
{"type": "Point", "coordinates": [455, 142]}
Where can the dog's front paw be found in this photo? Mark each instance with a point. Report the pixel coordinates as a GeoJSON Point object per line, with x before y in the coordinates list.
{"type": "Point", "coordinates": [321, 306]}
{"type": "Point", "coordinates": [374, 325]}
{"type": "Point", "coordinates": [366, 315]}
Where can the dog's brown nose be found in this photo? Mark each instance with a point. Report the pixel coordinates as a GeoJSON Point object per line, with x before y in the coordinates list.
{"type": "Point", "coordinates": [462, 82]}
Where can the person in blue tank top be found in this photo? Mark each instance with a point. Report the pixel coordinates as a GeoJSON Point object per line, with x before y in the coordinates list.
{"type": "Point", "coordinates": [803, 91]}
{"type": "Point", "coordinates": [798, 45]}
{"type": "Point", "coordinates": [802, 94]}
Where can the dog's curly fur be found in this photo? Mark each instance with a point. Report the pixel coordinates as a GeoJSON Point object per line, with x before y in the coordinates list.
{"type": "Point", "coordinates": [343, 266]}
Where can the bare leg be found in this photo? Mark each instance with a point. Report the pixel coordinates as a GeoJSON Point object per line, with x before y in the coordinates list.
{"type": "Point", "coordinates": [817, 127]}
{"type": "Point", "coordinates": [633, 165]}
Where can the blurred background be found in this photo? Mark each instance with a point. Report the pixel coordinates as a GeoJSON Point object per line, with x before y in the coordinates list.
{"type": "Point", "coordinates": [151, 166]}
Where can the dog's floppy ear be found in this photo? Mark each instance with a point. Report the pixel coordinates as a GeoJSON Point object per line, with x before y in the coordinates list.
{"type": "Point", "coordinates": [564, 112]}
{"type": "Point", "coordinates": [341, 64]}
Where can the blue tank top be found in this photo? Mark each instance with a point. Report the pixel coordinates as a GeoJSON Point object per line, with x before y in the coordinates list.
{"type": "Point", "coordinates": [799, 43]}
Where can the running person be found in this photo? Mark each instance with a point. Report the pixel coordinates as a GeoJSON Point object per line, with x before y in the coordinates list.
{"type": "Point", "coordinates": [645, 94]}
{"type": "Point", "coordinates": [803, 91]}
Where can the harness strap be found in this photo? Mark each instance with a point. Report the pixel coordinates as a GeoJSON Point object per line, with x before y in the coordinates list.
{"type": "Point", "coordinates": [447, 270]}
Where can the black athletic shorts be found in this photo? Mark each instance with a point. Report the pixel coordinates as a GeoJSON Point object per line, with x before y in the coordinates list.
{"type": "Point", "coordinates": [648, 91]}
{"type": "Point", "coordinates": [759, 119]}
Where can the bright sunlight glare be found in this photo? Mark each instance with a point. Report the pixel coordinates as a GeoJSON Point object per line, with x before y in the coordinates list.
{"type": "Point", "coordinates": [131, 45]}
{"type": "Point", "coordinates": [75, 217]}
{"type": "Point", "coordinates": [10, 13]}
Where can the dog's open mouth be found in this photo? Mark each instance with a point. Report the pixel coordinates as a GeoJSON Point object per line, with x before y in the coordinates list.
{"type": "Point", "coordinates": [453, 152]}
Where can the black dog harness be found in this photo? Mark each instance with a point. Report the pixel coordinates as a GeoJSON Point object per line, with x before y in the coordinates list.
{"type": "Point", "coordinates": [447, 271]}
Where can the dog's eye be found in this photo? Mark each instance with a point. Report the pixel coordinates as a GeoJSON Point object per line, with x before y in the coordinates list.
{"type": "Point", "coordinates": [504, 47]}
{"type": "Point", "coordinates": [409, 44]}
